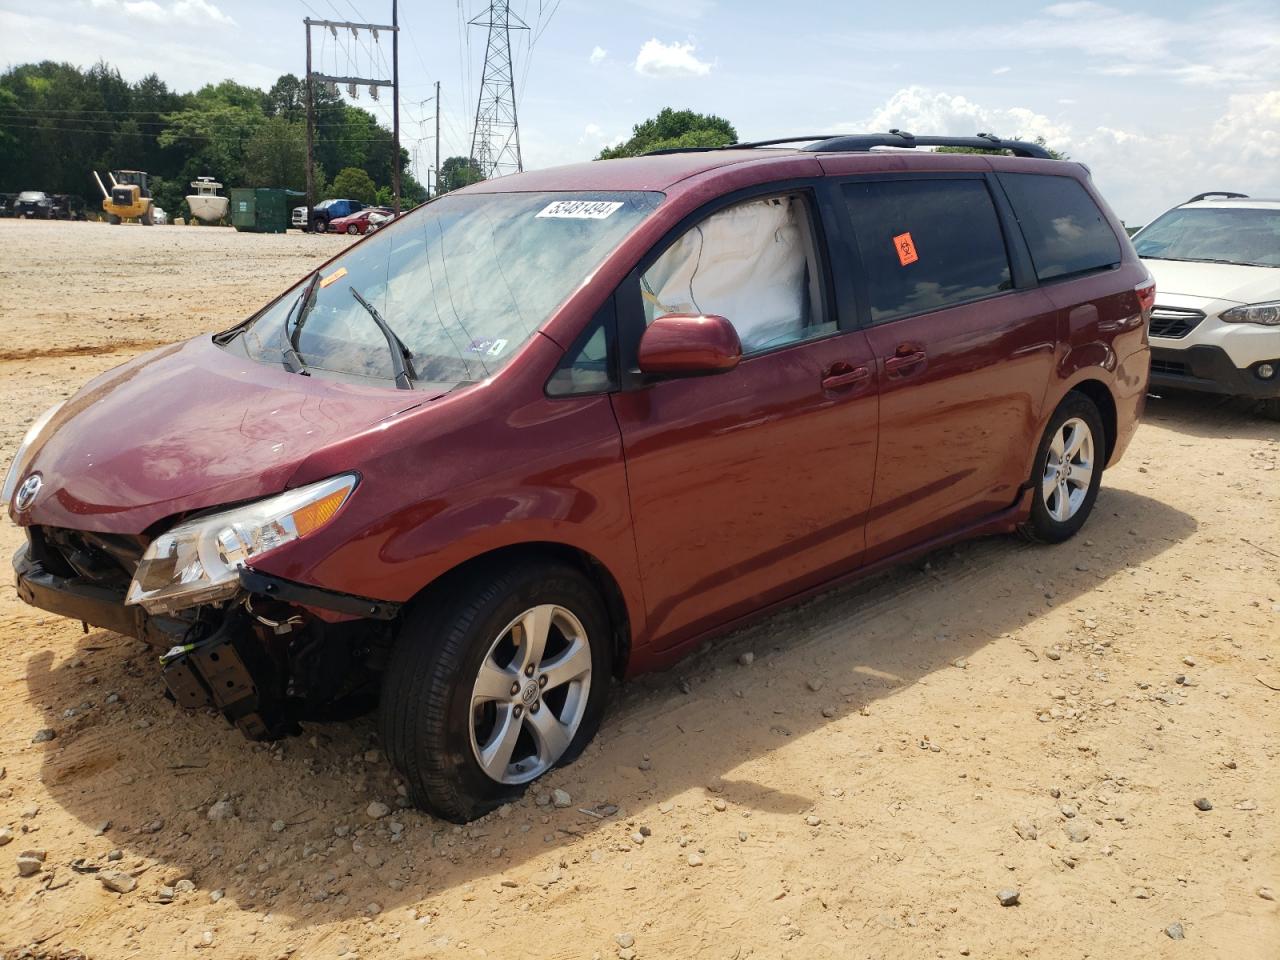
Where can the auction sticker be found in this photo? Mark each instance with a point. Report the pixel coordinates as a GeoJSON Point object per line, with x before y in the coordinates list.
{"type": "Point", "coordinates": [580, 209]}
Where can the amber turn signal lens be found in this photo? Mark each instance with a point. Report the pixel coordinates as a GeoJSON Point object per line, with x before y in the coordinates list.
{"type": "Point", "coordinates": [315, 515]}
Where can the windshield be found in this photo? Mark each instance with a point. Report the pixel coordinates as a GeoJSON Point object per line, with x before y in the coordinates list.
{"type": "Point", "coordinates": [462, 281]}
{"type": "Point", "coordinates": [1224, 235]}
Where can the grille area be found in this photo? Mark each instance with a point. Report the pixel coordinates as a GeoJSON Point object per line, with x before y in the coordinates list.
{"type": "Point", "coordinates": [1173, 323]}
{"type": "Point", "coordinates": [1171, 367]}
{"type": "Point", "coordinates": [105, 559]}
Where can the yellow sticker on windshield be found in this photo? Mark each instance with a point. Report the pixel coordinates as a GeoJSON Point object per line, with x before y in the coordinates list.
{"type": "Point", "coordinates": [333, 277]}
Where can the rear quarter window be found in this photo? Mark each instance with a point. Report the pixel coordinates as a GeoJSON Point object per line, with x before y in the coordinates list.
{"type": "Point", "coordinates": [1064, 229]}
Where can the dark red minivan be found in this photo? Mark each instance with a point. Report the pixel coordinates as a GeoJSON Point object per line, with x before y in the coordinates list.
{"type": "Point", "coordinates": [557, 428]}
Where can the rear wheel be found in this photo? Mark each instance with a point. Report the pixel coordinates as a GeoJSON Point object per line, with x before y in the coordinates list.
{"type": "Point", "coordinates": [352, 229]}
{"type": "Point", "coordinates": [1068, 471]}
{"type": "Point", "coordinates": [1270, 408]}
{"type": "Point", "coordinates": [112, 219]}
{"type": "Point", "coordinates": [494, 685]}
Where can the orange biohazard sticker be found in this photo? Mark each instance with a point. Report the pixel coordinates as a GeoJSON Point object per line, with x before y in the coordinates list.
{"type": "Point", "coordinates": [906, 248]}
{"type": "Point", "coordinates": [342, 272]}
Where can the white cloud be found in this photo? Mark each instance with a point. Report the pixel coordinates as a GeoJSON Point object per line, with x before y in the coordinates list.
{"type": "Point", "coordinates": [921, 110]}
{"type": "Point", "coordinates": [598, 54]}
{"type": "Point", "coordinates": [178, 12]}
{"type": "Point", "coordinates": [658, 59]}
{"type": "Point", "coordinates": [999, 70]}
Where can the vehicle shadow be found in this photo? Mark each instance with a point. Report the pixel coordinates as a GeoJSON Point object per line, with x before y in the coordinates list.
{"type": "Point", "coordinates": [302, 847]}
{"type": "Point", "coordinates": [1209, 416]}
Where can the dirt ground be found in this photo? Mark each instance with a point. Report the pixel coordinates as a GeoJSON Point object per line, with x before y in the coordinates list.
{"type": "Point", "coordinates": [896, 753]}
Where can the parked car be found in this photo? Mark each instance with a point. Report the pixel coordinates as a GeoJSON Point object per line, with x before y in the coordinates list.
{"type": "Point", "coordinates": [68, 206]}
{"type": "Point", "coordinates": [380, 217]}
{"type": "Point", "coordinates": [325, 212]}
{"type": "Point", "coordinates": [7, 203]}
{"type": "Point", "coordinates": [298, 218]}
{"type": "Point", "coordinates": [360, 221]}
{"type": "Point", "coordinates": [562, 426]}
{"type": "Point", "coordinates": [34, 205]}
{"type": "Point", "coordinates": [1216, 325]}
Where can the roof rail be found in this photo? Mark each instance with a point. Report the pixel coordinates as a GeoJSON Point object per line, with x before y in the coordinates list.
{"type": "Point", "coordinates": [1225, 194]}
{"type": "Point", "coordinates": [900, 138]}
{"type": "Point", "coordinates": [860, 142]}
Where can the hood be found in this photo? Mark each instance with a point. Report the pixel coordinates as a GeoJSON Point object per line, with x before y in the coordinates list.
{"type": "Point", "coordinates": [188, 427]}
{"type": "Point", "coordinates": [1215, 281]}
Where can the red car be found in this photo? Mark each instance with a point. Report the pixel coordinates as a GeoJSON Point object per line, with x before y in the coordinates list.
{"type": "Point", "coordinates": [560, 427]}
{"type": "Point", "coordinates": [358, 222]}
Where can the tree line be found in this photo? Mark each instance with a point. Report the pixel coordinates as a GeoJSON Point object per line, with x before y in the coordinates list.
{"type": "Point", "coordinates": [58, 123]}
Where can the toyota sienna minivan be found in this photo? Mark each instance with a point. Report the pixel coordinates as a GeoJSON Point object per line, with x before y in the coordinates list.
{"type": "Point", "coordinates": [560, 427]}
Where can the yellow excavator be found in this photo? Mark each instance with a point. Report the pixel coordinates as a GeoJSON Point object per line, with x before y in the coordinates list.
{"type": "Point", "coordinates": [129, 197]}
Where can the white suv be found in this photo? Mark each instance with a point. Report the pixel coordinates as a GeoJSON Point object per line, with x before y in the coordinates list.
{"type": "Point", "coordinates": [1216, 322]}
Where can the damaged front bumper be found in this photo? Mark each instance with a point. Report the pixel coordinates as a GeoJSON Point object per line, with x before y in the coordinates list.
{"type": "Point", "coordinates": [258, 659]}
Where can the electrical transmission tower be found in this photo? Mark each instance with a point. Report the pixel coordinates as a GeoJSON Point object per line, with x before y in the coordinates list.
{"type": "Point", "coordinates": [495, 144]}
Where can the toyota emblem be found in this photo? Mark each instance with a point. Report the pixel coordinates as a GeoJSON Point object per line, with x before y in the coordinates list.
{"type": "Point", "coordinates": [27, 492]}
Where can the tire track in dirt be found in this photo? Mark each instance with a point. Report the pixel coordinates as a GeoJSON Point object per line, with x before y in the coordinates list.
{"type": "Point", "coordinates": [83, 350]}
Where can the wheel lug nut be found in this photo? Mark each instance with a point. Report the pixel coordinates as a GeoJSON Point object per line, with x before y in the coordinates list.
{"type": "Point", "coordinates": [515, 688]}
{"type": "Point", "coordinates": [518, 710]}
{"type": "Point", "coordinates": [528, 671]}
{"type": "Point", "coordinates": [542, 680]}
{"type": "Point", "coordinates": [533, 707]}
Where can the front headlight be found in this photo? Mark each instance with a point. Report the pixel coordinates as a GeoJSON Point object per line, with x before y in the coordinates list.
{"type": "Point", "coordinates": [1268, 314]}
{"type": "Point", "coordinates": [199, 561]}
{"type": "Point", "coordinates": [19, 464]}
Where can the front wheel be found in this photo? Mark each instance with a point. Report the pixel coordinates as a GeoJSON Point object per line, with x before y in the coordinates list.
{"type": "Point", "coordinates": [494, 685]}
{"type": "Point", "coordinates": [1270, 408]}
{"type": "Point", "coordinates": [1068, 471]}
{"type": "Point", "coordinates": [352, 229]}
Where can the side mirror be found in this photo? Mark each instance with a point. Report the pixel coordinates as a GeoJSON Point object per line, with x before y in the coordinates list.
{"type": "Point", "coordinates": [682, 344]}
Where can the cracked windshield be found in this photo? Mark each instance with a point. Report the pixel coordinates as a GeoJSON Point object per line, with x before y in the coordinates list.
{"type": "Point", "coordinates": [455, 288]}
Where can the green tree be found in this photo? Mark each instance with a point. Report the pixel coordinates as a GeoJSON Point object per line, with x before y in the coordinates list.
{"type": "Point", "coordinates": [1054, 154]}
{"type": "Point", "coordinates": [276, 155]}
{"type": "Point", "coordinates": [352, 183]}
{"type": "Point", "coordinates": [457, 172]}
{"type": "Point", "coordinates": [674, 129]}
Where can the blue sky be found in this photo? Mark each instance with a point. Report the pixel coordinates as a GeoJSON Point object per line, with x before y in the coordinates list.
{"type": "Point", "coordinates": [1162, 100]}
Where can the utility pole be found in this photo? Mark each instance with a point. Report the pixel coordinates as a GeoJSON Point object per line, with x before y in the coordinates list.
{"type": "Point", "coordinates": [352, 82]}
{"type": "Point", "coordinates": [395, 107]}
{"type": "Point", "coordinates": [311, 186]}
{"type": "Point", "coordinates": [438, 107]}
{"type": "Point", "coordinates": [495, 142]}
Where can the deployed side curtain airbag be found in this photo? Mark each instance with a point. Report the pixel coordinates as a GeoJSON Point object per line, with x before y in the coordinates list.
{"type": "Point", "coordinates": [747, 264]}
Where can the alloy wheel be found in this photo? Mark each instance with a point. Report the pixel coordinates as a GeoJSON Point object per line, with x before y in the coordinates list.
{"type": "Point", "coordinates": [530, 694]}
{"type": "Point", "coordinates": [1068, 470]}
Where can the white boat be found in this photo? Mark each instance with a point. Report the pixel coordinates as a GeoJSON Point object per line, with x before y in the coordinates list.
{"type": "Point", "coordinates": [205, 203]}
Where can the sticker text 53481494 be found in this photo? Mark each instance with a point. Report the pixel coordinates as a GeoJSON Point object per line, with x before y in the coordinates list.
{"type": "Point", "coordinates": [580, 209]}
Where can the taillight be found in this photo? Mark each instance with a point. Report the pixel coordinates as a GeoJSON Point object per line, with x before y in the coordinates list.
{"type": "Point", "coordinates": [1146, 292]}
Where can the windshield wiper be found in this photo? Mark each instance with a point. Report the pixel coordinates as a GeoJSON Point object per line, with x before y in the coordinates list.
{"type": "Point", "coordinates": [289, 352]}
{"type": "Point", "coordinates": [400, 354]}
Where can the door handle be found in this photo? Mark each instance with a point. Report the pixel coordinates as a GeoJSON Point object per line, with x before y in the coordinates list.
{"type": "Point", "coordinates": [842, 375]}
{"type": "Point", "coordinates": [902, 362]}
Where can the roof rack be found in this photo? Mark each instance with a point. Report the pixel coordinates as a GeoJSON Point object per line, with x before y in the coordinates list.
{"type": "Point", "coordinates": [862, 142]}
{"type": "Point", "coordinates": [1224, 194]}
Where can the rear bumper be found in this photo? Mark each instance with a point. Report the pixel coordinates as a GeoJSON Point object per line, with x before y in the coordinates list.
{"type": "Point", "coordinates": [1209, 369]}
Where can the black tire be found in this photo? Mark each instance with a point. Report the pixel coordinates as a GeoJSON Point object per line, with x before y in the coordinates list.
{"type": "Point", "coordinates": [352, 229]}
{"type": "Point", "coordinates": [1042, 526]}
{"type": "Point", "coordinates": [147, 219]}
{"type": "Point", "coordinates": [425, 712]}
{"type": "Point", "coordinates": [319, 226]}
{"type": "Point", "coordinates": [113, 219]}
{"type": "Point", "coordinates": [1270, 408]}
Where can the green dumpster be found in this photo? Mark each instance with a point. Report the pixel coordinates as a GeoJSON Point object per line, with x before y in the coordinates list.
{"type": "Point", "coordinates": [261, 209]}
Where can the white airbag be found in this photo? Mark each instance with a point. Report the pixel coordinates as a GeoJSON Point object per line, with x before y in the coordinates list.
{"type": "Point", "coordinates": [747, 264]}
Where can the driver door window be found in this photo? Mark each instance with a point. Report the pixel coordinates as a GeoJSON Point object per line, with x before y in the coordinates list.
{"type": "Point", "coordinates": [753, 263]}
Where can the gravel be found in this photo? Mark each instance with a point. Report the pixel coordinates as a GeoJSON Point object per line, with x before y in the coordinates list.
{"type": "Point", "coordinates": [222, 810]}
{"type": "Point", "coordinates": [561, 798]}
{"type": "Point", "coordinates": [45, 735]}
{"type": "Point", "coordinates": [1174, 931]}
{"type": "Point", "coordinates": [1203, 804]}
{"type": "Point", "coordinates": [30, 862]}
{"type": "Point", "coordinates": [1008, 897]}
{"type": "Point", "coordinates": [377, 810]}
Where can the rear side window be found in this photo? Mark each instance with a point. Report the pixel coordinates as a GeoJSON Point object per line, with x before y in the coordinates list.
{"type": "Point", "coordinates": [927, 244]}
{"type": "Point", "coordinates": [1065, 230]}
